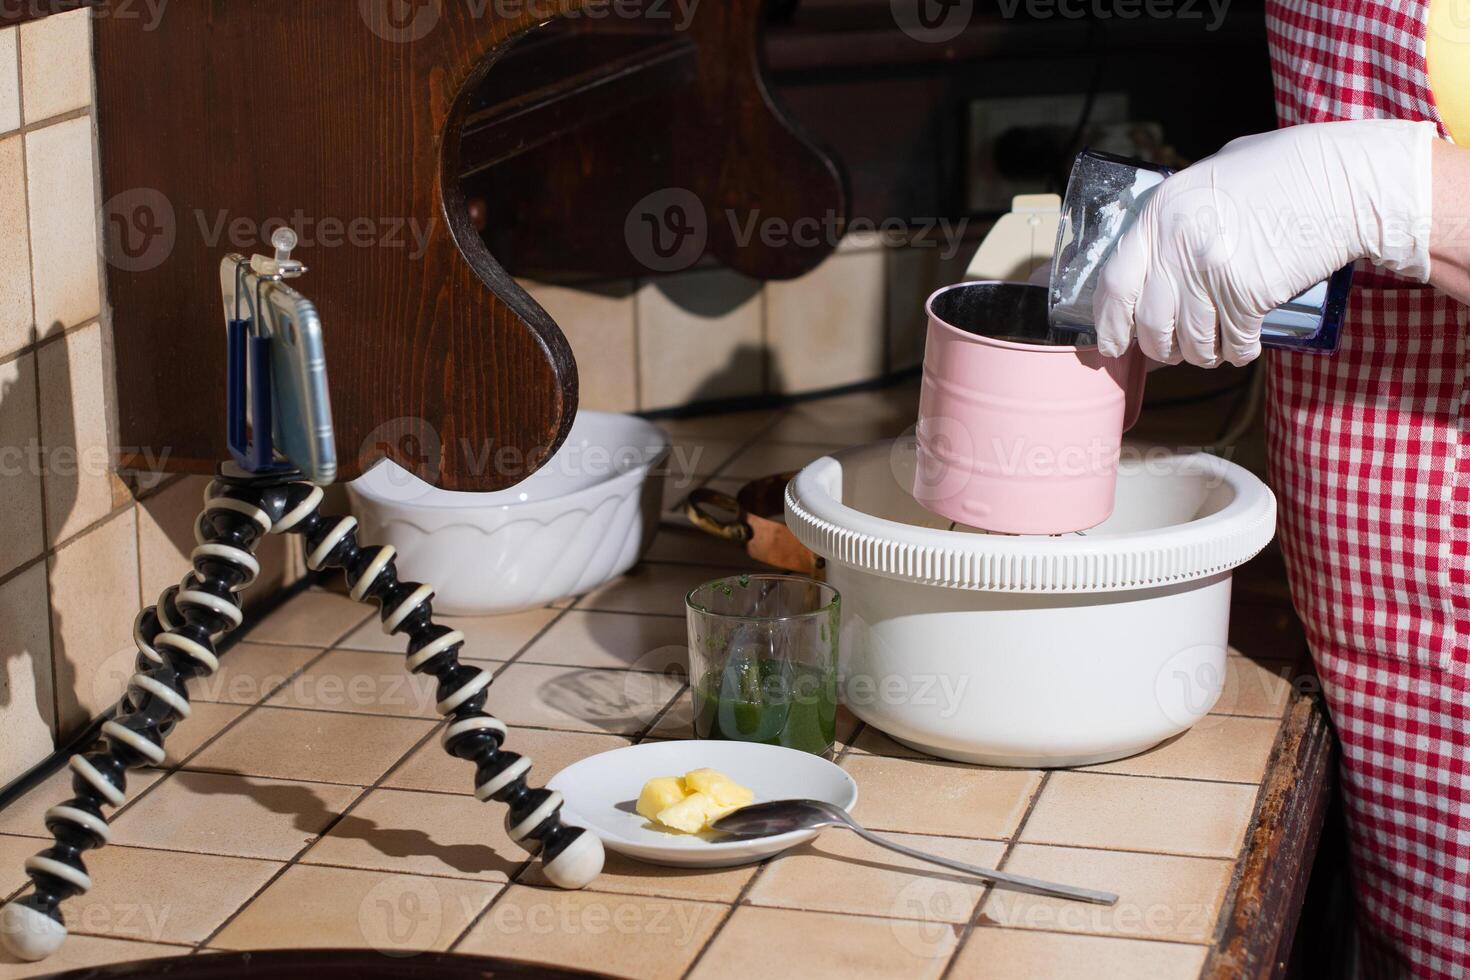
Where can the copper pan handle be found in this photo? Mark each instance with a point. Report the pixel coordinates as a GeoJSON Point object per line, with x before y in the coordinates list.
{"type": "Point", "coordinates": [701, 497]}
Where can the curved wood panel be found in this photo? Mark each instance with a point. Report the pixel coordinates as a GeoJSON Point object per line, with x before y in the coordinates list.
{"type": "Point", "coordinates": [685, 175]}
{"type": "Point", "coordinates": [235, 113]}
{"type": "Point", "coordinates": [227, 118]}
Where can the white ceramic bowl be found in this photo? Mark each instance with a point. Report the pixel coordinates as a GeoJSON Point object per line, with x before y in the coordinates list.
{"type": "Point", "coordinates": [601, 791]}
{"type": "Point", "coordinates": [1033, 650]}
{"type": "Point", "coordinates": [585, 517]}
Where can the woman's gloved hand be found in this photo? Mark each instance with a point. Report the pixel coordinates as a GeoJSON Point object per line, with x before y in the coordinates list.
{"type": "Point", "coordinates": [1222, 243]}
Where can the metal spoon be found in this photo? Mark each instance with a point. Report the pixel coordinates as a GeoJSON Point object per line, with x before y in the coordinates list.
{"type": "Point", "coordinates": [785, 816]}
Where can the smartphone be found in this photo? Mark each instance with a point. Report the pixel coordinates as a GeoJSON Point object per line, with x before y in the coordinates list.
{"type": "Point", "coordinates": [301, 410]}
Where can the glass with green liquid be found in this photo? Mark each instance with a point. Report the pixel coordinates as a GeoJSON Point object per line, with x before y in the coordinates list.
{"type": "Point", "coordinates": [763, 660]}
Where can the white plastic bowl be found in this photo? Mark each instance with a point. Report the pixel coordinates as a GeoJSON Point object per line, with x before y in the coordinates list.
{"type": "Point", "coordinates": [1033, 650]}
{"type": "Point", "coordinates": [584, 518]}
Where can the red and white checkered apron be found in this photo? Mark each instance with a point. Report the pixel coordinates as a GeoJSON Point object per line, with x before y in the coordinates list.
{"type": "Point", "coordinates": [1371, 460]}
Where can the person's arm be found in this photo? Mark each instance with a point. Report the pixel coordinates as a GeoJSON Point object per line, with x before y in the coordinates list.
{"type": "Point", "coordinates": [1220, 244]}
{"type": "Point", "coordinates": [1449, 242]}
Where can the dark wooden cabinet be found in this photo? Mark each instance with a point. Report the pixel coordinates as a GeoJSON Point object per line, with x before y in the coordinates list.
{"type": "Point", "coordinates": [362, 124]}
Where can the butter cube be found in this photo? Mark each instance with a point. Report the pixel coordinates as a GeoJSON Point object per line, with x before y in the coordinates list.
{"type": "Point", "coordinates": [659, 794]}
{"type": "Point", "coordinates": [718, 787]}
{"type": "Point", "coordinates": [690, 815]}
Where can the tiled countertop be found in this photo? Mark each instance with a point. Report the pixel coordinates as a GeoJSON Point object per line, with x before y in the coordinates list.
{"type": "Point", "coordinates": [307, 801]}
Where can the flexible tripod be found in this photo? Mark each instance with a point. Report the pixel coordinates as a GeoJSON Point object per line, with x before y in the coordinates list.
{"type": "Point", "coordinates": [176, 645]}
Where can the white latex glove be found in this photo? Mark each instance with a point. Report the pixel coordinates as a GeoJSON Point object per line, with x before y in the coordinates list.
{"type": "Point", "coordinates": [1222, 243]}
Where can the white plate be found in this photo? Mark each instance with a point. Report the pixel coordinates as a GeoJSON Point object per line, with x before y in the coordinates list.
{"type": "Point", "coordinates": [600, 792]}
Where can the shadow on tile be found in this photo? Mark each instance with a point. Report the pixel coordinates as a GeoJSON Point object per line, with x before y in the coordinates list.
{"type": "Point", "coordinates": [309, 813]}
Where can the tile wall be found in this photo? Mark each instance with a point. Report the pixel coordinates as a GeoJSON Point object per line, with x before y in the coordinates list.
{"type": "Point", "coordinates": [80, 549]}
{"type": "Point", "coordinates": [712, 335]}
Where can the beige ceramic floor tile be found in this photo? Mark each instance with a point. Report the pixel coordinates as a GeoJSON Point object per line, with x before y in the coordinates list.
{"type": "Point", "coordinates": [249, 672]}
{"type": "Point", "coordinates": [870, 741]}
{"type": "Point", "coordinates": [320, 746]}
{"type": "Point", "coordinates": [215, 813]}
{"type": "Point", "coordinates": [161, 896]}
{"type": "Point", "coordinates": [94, 599]}
{"type": "Point", "coordinates": [486, 637]}
{"type": "Point", "coordinates": [205, 721]}
{"type": "Point", "coordinates": [694, 454]}
{"type": "Point", "coordinates": [600, 323]}
{"type": "Point", "coordinates": [924, 797]}
{"type": "Point", "coordinates": [26, 689]}
{"type": "Point", "coordinates": [621, 935]}
{"type": "Point", "coordinates": [1159, 896]}
{"type": "Point", "coordinates": [56, 56]}
{"type": "Point", "coordinates": [338, 908]}
{"type": "Point", "coordinates": [59, 180]}
{"type": "Point", "coordinates": [652, 588]}
{"type": "Point", "coordinates": [677, 721]}
{"type": "Point", "coordinates": [845, 420]}
{"type": "Point", "coordinates": [26, 815]}
{"type": "Point", "coordinates": [364, 683]}
{"type": "Point", "coordinates": [313, 618]}
{"type": "Point", "coordinates": [13, 854]}
{"type": "Point", "coordinates": [81, 952]}
{"type": "Point", "coordinates": [1011, 953]}
{"type": "Point", "coordinates": [1217, 747]}
{"type": "Point", "coordinates": [433, 834]}
{"type": "Point", "coordinates": [1136, 813]}
{"type": "Point", "coordinates": [841, 872]}
{"type": "Point", "coordinates": [736, 426]}
{"type": "Point", "coordinates": [826, 329]}
{"type": "Point", "coordinates": [782, 943]}
{"type": "Point", "coordinates": [766, 458]}
{"type": "Point", "coordinates": [617, 702]}
{"type": "Point", "coordinates": [10, 83]}
{"type": "Point", "coordinates": [626, 876]}
{"type": "Point", "coordinates": [431, 768]}
{"type": "Point", "coordinates": [615, 641]}
{"type": "Point", "coordinates": [699, 338]}
{"type": "Point", "coordinates": [21, 530]}
{"type": "Point", "coordinates": [1259, 689]}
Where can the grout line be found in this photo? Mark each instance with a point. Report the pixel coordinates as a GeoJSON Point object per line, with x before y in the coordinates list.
{"type": "Point", "coordinates": [660, 715]}
{"type": "Point", "coordinates": [179, 767]}
{"type": "Point", "coordinates": [47, 548]}
{"type": "Point", "coordinates": [37, 345]}
{"type": "Point", "coordinates": [325, 831]}
{"type": "Point", "coordinates": [974, 919]}
{"type": "Point", "coordinates": [740, 899]}
{"type": "Point", "coordinates": [295, 859]}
